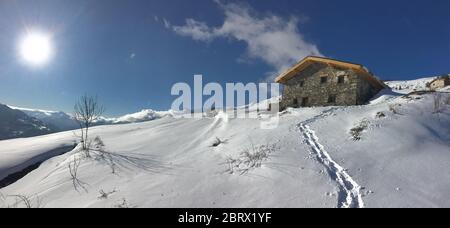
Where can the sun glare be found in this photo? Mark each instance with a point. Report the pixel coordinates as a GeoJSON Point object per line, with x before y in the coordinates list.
{"type": "Point", "coordinates": [36, 48]}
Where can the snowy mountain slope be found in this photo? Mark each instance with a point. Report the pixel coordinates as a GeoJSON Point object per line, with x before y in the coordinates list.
{"type": "Point", "coordinates": [408, 86]}
{"type": "Point", "coordinates": [59, 120]}
{"type": "Point", "coordinates": [394, 152]}
{"type": "Point", "coordinates": [16, 124]}
{"type": "Point", "coordinates": [142, 116]}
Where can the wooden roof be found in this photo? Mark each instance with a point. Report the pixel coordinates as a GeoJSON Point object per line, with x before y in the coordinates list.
{"type": "Point", "coordinates": [303, 64]}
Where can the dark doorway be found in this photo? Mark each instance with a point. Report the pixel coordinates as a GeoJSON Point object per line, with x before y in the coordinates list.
{"type": "Point", "coordinates": [305, 102]}
{"type": "Point", "coordinates": [332, 99]}
{"type": "Point", "coordinates": [295, 102]}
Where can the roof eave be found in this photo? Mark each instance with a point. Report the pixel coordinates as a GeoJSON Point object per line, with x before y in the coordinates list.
{"type": "Point", "coordinates": [289, 74]}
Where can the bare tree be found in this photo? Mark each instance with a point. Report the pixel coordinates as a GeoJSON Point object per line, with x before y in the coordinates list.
{"type": "Point", "coordinates": [87, 110]}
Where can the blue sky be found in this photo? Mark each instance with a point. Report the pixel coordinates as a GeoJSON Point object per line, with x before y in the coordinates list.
{"type": "Point", "coordinates": [130, 53]}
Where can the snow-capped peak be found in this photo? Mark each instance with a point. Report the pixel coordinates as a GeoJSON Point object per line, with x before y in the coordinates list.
{"type": "Point", "coordinates": [142, 116]}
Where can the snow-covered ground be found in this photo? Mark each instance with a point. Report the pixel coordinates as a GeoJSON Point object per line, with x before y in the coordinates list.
{"type": "Point", "coordinates": [393, 152]}
{"type": "Point", "coordinates": [408, 86]}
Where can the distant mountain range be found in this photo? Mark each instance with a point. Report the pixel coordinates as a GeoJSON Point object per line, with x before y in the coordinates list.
{"type": "Point", "coordinates": [142, 116]}
{"type": "Point", "coordinates": [18, 122]}
{"type": "Point", "coordinates": [60, 121]}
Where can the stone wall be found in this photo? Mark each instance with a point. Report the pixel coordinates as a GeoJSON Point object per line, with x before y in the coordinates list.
{"type": "Point", "coordinates": [440, 83]}
{"type": "Point", "coordinates": [365, 92]}
{"type": "Point", "coordinates": [343, 88]}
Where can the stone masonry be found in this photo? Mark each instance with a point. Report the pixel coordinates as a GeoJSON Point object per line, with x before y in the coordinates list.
{"type": "Point", "coordinates": [321, 84]}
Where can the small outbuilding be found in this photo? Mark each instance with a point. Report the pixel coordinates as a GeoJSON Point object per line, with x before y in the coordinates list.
{"type": "Point", "coordinates": [440, 82]}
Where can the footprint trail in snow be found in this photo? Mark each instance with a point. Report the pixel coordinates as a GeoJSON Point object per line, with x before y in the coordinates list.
{"type": "Point", "coordinates": [349, 195]}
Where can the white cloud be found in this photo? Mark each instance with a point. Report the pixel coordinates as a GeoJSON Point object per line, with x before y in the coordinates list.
{"type": "Point", "coordinates": [166, 23]}
{"type": "Point", "coordinates": [271, 38]}
{"type": "Point", "coordinates": [196, 30]}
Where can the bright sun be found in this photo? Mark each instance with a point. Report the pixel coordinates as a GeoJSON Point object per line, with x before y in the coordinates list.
{"type": "Point", "coordinates": [36, 48]}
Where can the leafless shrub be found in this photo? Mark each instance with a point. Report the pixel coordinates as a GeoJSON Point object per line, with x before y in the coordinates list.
{"type": "Point", "coordinates": [98, 143]}
{"type": "Point", "coordinates": [86, 111]}
{"type": "Point", "coordinates": [108, 158]}
{"type": "Point", "coordinates": [124, 204]}
{"type": "Point", "coordinates": [380, 115]}
{"type": "Point", "coordinates": [105, 195]}
{"type": "Point", "coordinates": [97, 147]}
{"type": "Point", "coordinates": [73, 169]}
{"type": "Point", "coordinates": [21, 201]}
{"type": "Point", "coordinates": [394, 108]}
{"type": "Point", "coordinates": [249, 159]}
{"type": "Point", "coordinates": [356, 132]}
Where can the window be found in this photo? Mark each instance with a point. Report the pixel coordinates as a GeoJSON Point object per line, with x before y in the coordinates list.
{"type": "Point", "coordinates": [341, 79]}
{"type": "Point", "coordinates": [304, 102]}
{"type": "Point", "coordinates": [295, 102]}
{"type": "Point", "coordinates": [302, 83]}
{"type": "Point", "coordinates": [332, 99]}
{"type": "Point", "coordinates": [323, 80]}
